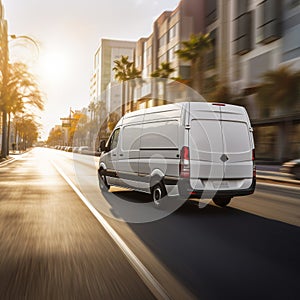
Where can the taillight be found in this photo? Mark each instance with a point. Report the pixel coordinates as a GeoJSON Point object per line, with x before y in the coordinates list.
{"type": "Point", "coordinates": [254, 166]}
{"type": "Point", "coordinates": [184, 166]}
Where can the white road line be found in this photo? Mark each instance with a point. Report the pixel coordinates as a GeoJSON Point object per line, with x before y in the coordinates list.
{"type": "Point", "coordinates": [154, 286]}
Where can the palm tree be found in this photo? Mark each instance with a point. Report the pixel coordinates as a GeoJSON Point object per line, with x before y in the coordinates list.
{"type": "Point", "coordinates": [19, 93]}
{"type": "Point", "coordinates": [164, 71]}
{"type": "Point", "coordinates": [23, 92]}
{"type": "Point", "coordinates": [194, 50]}
{"type": "Point", "coordinates": [280, 89]}
{"type": "Point", "coordinates": [126, 71]}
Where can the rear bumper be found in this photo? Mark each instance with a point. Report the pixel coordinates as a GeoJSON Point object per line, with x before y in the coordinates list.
{"type": "Point", "coordinates": [186, 190]}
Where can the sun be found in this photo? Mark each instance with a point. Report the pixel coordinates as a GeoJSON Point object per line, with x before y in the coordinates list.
{"type": "Point", "coordinates": [53, 66]}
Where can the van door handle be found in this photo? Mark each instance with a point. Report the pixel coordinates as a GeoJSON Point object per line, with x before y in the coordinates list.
{"type": "Point", "coordinates": [121, 154]}
{"type": "Point", "coordinates": [114, 155]}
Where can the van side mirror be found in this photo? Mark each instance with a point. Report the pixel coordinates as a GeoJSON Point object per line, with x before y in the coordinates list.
{"type": "Point", "coordinates": [103, 148]}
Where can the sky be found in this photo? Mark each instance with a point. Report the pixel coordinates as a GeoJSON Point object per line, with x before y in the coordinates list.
{"type": "Point", "coordinates": [68, 33]}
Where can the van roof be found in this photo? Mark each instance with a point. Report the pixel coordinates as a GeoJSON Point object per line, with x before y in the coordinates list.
{"type": "Point", "coordinates": [212, 106]}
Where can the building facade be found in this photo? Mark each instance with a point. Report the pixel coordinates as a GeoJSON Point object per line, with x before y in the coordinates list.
{"type": "Point", "coordinates": [249, 38]}
{"type": "Point", "coordinates": [264, 37]}
{"type": "Point", "coordinates": [103, 77]}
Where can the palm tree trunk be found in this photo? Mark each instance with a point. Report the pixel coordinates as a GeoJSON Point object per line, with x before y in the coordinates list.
{"type": "Point", "coordinates": [123, 98]}
{"type": "Point", "coordinates": [4, 134]}
{"type": "Point", "coordinates": [8, 133]}
{"type": "Point", "coordinates": [197, 75]}
{"type": "Point", "coordinates": [165, 91]}
{"type": "Point", "coordinates": [131, 95]}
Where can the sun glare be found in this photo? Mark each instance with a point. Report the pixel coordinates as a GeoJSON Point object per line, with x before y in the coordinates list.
{"type": "Point", "coordinates": [53, 66]}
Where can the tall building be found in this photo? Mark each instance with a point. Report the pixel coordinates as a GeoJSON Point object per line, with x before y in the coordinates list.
{"type": "Point", "coordinates": [265, 36]}
{"type": "Point", "coordinates": [170, 29]}
{"type": "Point", "coordinates": [103, 75]}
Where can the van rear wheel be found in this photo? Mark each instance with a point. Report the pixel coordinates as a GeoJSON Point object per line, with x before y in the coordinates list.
{"type": "Point", "coordinates": [222, 202]}
{"type": "Point", "coordinates": [158, 192]}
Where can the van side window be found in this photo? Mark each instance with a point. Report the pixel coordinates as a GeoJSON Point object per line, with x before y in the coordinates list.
{"type": "Point", "coordinates": [113, 142]}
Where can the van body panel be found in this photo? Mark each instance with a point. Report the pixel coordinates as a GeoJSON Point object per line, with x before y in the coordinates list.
{"type": "Point", "coordinates": [206, 148]}
{"type": "Point", "coordinates": [238, 144]}
{"type": "Point", "coordinates": [128, 162]}
{"type": "Point", "coordinates": [159, 145]}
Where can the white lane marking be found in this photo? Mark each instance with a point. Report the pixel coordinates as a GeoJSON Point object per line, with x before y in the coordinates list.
{"type": "Point", "coordinates": [154, 286]}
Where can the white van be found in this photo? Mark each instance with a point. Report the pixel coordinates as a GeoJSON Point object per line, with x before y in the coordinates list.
{"type": "Point", "coordinates": [189, 149]}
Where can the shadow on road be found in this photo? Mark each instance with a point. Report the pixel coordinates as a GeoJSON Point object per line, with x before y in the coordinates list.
{"type": "Point", "coordinates": [225, 253]}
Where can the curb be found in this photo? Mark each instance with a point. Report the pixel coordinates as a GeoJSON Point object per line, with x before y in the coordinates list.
{"type": "Point", "coordinates": [282, 178]}
{"type": "Point", "coordinates": [6, 162]}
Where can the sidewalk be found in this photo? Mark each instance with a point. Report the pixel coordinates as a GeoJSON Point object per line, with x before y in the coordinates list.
{"type": "Point", "coordinates": [11, 157]}
{"type": "Point", "coordinates": [272, 172]}
{"type": "Point", "coordinates": [4, 162]}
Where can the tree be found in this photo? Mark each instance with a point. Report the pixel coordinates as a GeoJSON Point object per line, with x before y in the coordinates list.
{"type": "Point", "coordinates": [125, 71]}
{"type": "Point", "coordinates": [164, 71]}
{"type": "Point", "coordinates": [27, 129]}
{"type": "Point", "coordinates": [19, 93]}
{"type": "Point", "coordinates": [194, 50]}
{"type": "Point", "coordinates": [221, 93]}
{"type": "Point", "coordinates": [280, 89]}
{"type": "Point", "coordinates": [55, 137]}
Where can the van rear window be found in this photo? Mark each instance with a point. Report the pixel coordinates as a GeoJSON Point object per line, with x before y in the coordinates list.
{"type": "Point", "coordinates": [206, 135]}
{"type": "Point", "coordinates": [236, 137]}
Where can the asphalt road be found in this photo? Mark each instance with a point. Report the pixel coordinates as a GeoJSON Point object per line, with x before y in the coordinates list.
{"type": "Point", "coordinates": [53, 248]}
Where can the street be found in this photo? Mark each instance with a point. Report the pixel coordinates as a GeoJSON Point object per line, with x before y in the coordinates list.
{"type": "Point", "coordinates": [52, 246]}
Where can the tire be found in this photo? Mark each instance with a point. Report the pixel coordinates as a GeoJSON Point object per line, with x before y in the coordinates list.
{"type": "Point", "coordinates": [222, 202]}
{"type": "Point", "coordinates": [158, 192]}
{"type": "Point", "coordinates": [104, 186]}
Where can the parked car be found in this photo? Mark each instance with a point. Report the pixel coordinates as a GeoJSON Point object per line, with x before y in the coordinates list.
{"type": "Point", "coordinates": [181, 149]}
{"type": "Point", "coordinates": [292, 167]}
{"type": "Point", "coordinates": [75, 149]}
{"type": "Point", "coordinates": [82, 149]}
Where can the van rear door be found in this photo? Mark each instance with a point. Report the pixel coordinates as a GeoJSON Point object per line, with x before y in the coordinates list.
{"type": "Point", "coordinates": [221, 145]}
{"type": "Point", "coordinates": [206, 144]}
{"type": "Point", "coordinates": [238, 143]}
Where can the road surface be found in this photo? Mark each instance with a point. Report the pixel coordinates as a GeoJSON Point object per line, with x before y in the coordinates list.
{"type": "Point", "coordinates": [52, 247]}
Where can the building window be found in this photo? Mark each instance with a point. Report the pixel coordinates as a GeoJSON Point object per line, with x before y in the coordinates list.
{"type": "Point", "coordinates": [211, 56]}
{"type": "Point", "coordinates": [171, 53]}
{"type": "Point", "coordinates": [162, 41]}
{"type": "Point", "coordinates": [210, 11]}
{"type": "Point", "coordinates": [243, 28]}
{"type": "Point", "coordinates": [162, 59]}
{"type": "Point", "coordinates": [173, 32]}
{"type": "Point", "coordinates": [269, 21]}
{"type": "Point", "coordinates": [241, 7]}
